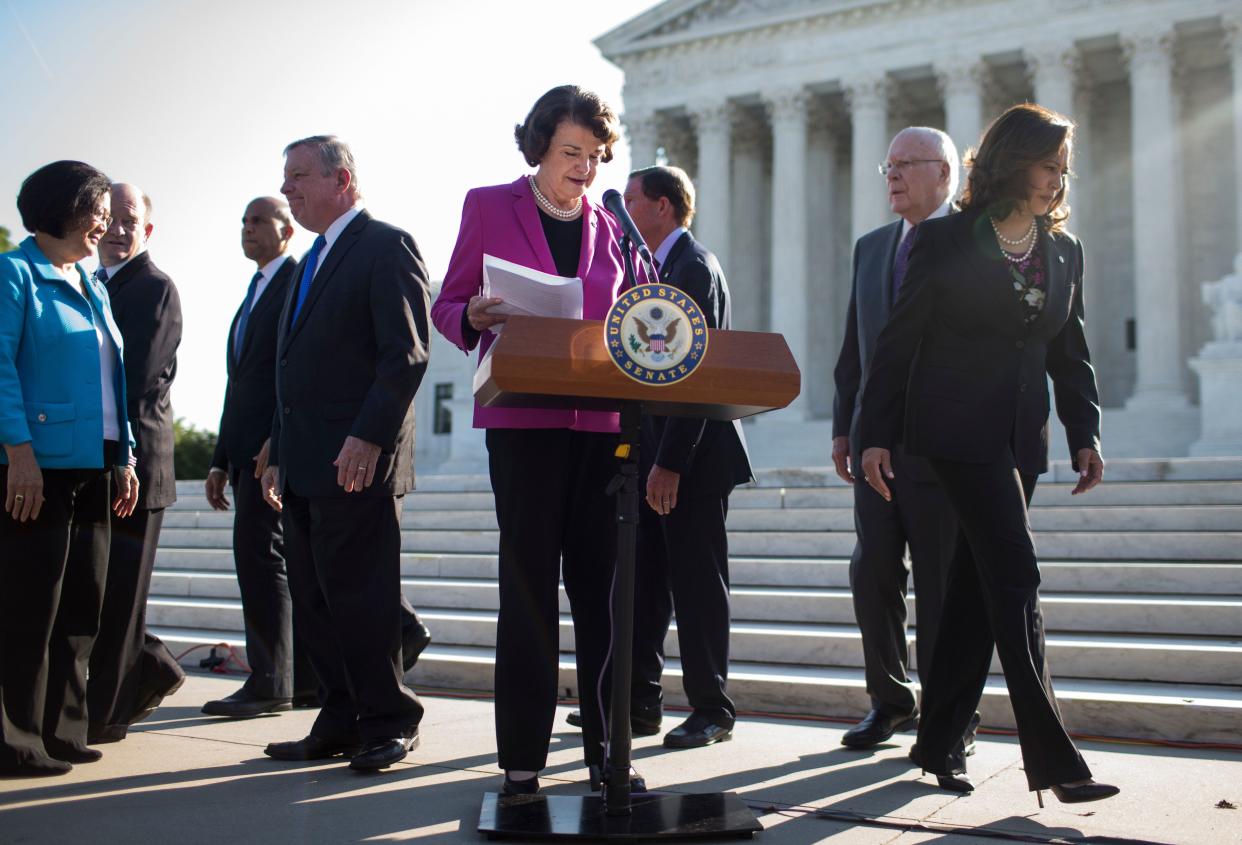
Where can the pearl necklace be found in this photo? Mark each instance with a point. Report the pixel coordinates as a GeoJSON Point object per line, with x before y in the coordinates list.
{"type": "Point", "coordinates": [1030, 234]}
{"type": "Point", "coordinates": [552, 209]}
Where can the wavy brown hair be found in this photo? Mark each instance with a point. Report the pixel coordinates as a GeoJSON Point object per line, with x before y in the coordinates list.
{"type": "Point", "coordinates": [1025, 135]}
{"type": "Point", "coordinates": [566, 102]}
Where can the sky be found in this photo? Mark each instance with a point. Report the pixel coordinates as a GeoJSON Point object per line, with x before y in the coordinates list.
{"type": "Point", "coordinates": [193, 101]}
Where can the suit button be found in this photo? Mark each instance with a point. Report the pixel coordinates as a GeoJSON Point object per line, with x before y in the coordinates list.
{"type": "Point", "coordinates": [286, 409]}
{"type": "Point", "coordinates": [284, 361]}
{"type": "Point", "coordinates": [1020, 344]}
{"type": "Point", "coordinates": [1021, 389]}
{"type": "Point", "coordinates": [42, 417]}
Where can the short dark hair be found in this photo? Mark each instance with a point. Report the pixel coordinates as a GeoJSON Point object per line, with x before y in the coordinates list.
{"type": "Point", "coordinates": [566, 102]}
{"type": "Point", "coordinates": [60, 196]}
{"type": "Point", "coordinates": [671, 183]}
{"type": "Point", "coordinates": [1025, 135]}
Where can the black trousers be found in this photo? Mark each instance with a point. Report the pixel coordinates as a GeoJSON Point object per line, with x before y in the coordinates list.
{"type": "Point", "coordinates": [128, 663]}
{"type": "Point", "coordinates": [280, 666]}
{"type": "Point", "coordinates": [555, 518]}
{"type": "Point", "coordinates": [344, 562]}
{"type": "Point", "coordinates": [919, 518]}
{"type": "Point", "coordinates": [992, 598]}
{"type": "Point", "coordinates": [682, 560]}
{"type": "Point", "coordinates": [52, 573]}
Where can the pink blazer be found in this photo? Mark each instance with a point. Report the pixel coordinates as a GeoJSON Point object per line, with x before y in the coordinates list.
{"type": "Point", "coordinates": [503, 220]}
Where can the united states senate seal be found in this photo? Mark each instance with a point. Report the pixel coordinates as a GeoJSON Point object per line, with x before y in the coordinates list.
{"type": "Point", "coordinates": [656, 334]}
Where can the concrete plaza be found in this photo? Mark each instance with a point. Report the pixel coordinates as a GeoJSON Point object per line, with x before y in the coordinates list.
{"type": "Point", "coordinates": [184, 778]}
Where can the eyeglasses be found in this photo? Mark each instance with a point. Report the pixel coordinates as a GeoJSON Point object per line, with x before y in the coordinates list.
{"type": "Point", "coordinates": [900, 165]}
{"type": "Point", "coordinates": [103, 218]}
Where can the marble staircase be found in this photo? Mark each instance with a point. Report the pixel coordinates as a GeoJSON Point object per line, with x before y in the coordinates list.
{"type": "Point", "coordinates": [1142, 592]}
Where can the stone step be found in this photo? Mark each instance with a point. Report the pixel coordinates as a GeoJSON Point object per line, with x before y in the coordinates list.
{"type": "Point", "coordinates": [1058, 576]}
{"type": "Point", "coordinates": [838, 519]}
{"type": "Point", "coordinates": [1109, 494]}
{"type": "Point", "coordinates": [1128, 546]}
{"type": "Point", "coordinates": [1178, 712]}
{"type": "Point", "coordinates": [1063, 612]}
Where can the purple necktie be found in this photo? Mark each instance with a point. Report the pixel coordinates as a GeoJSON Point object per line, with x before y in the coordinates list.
{"type": "Point", "coordinates": [902, 261]}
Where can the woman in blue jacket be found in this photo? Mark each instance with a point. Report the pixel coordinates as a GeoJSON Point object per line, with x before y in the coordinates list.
{"type": "Point", "coordinates": [66, 440]}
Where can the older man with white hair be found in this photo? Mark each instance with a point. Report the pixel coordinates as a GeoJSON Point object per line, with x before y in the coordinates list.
{"type": "Point", "coordinates": [921, 174]}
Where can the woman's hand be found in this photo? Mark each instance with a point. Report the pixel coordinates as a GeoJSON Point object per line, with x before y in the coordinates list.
{"type": "Point", "coordinates": [477, 313]}
{"type": "Point", "coordinates": [23, 495]}
{"type": "Point", "coordinates": [1090, 471]}
{"type": "Point", "coordinates": [126, 491]}
{"type": "Point", "coordinates": [877, 465]}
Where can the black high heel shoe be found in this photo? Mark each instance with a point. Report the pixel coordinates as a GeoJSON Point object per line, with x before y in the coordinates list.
{"type": "Point", "coordinates": [950, 783]}
{"type": "Point", "coordinates": [637, 782]}
{"type": "Point", "coordinates": [1080, 794]}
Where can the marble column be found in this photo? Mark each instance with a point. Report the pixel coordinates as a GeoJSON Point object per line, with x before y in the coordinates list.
{"type": "Point", "coordinates": [1052, 69]}
{"type": "Point", "coordinates": [1233, 37]}
{"type": "Point", "coordinates": [712, 124]}
{"type": "Point", "coordinates": [642, 131]}
{"type": "Point", "coordinates": [867, 98]}
{"type": "Point", "coordinates": [751, 224]}
{"type": "Point", "coordinates": [1156, 201]}
{"type": "Point", "coordinates": [961, 85]}
{"type": "Point", "coordinates": [787, 112]}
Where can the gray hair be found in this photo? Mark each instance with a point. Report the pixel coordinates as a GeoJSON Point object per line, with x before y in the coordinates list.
{"type": "Point", "coordinates": [944, 146]}
{"type": "Point", "coordinates": [334, 154]}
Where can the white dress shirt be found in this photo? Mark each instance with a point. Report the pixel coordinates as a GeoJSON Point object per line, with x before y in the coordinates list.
{"type": "Point", "coordinates": [939, 212]}
{"type": "Point", "coordinates": [666, 245]}
{"type": "Point", "coordinates": [267, 272]}
{"type": "Point", "coordinates": [333, 232]}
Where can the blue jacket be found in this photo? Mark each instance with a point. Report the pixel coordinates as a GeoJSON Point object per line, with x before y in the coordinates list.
{"type": "Point", "coordinates": [49, 364]}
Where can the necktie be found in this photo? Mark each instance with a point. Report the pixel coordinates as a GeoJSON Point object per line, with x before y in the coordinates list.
{"type": "Point", "coordinates": [101, 274]}
{"type": "Point", "coordinates": [247, 306]}
{"type": "Point", "coordinates": [902, 261]}
{"type": "Point", "coordinates": [308, 273]}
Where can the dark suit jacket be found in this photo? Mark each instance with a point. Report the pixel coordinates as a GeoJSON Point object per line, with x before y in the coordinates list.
{"type": "Point", "coordinates": [871, 304]}
{"type": "Point", "coordinates": [353, 361]}
{"type": "Point", "coordinates": [250, 396]}
{"type": "Point", "coordinates": [147, 310]}
{"type": "Point", "coordinates": [961, 368]}
{"type": "Point", "coordinates": [710, 455]}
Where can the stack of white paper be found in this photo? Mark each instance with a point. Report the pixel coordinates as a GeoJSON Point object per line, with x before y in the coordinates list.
{"type": "Point", "coordinates": [528, 291]}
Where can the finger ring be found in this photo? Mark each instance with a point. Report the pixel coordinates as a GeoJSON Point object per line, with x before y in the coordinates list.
{"type": "Point", "coordinates": [362, 466]}
{"type": "Point", "coordinates": [19, 498]}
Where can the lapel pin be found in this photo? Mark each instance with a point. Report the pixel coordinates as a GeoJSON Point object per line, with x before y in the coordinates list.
{"type": "Point", "coordinates": [1061, 258]}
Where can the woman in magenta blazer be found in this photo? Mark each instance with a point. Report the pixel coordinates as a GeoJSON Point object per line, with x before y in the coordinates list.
{"type": "Point", "coordinates": [548, 468]}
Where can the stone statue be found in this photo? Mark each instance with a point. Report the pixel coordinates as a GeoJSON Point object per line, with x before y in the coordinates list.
{"type": "Point", "coordinates": [1224, 297]}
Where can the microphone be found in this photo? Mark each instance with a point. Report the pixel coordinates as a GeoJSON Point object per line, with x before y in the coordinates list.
{"type": "Point", "coordinates": [614, 203]}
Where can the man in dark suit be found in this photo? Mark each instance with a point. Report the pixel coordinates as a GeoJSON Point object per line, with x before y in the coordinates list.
{"type": "Point", "coordinates": [690, 467]}
{"type": "Point", "coordinates": [351, 352]}
{"type": "Point", "coordinates": [131, 671]}
{"type": "Point", "coordinates": [921, 173]}
{"type": "Point", "coordinates": [279, 672]}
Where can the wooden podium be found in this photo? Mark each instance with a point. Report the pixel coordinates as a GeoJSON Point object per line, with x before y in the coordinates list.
{"type": "Point", "coordinates": [542, 362]}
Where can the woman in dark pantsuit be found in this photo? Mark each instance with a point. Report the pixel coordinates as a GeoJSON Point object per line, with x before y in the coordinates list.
{"type": "Point", "coordinates": [991, 306]}
{"type": "Point", "coordinates": [66, 439]}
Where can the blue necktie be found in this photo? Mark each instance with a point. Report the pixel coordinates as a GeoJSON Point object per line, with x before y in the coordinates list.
{"type": "Point", "coordinates": [247, 306]}
{"type": "Point", "coordinates": [101, 274]}
{"type": "Point", "coordinates": [308, 273]}
{"type": "Point", "coordinates": [902, 261]}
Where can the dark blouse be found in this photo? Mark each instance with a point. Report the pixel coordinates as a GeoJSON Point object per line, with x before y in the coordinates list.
{"type": "Point", "coordinates": [564, 241]}
{"type": "Point", "coordinates": [1030, 281]}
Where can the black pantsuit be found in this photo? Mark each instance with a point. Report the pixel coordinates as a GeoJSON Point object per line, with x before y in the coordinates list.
{"type": "Point", "coordinates": [993, 599]}
{"type": "Point", "coordinates": [128, 665]}
{"type": "Point", "coordinates": [52, 572]}
{"type": "Point", "coordinates": [555, 519]}
{"type": "Point", "coordinates": [959, 375]}
{"type": "Point", "coordinates": [280, 665]}
{"type": "Point", "coordinates": [350, 615]}
{"type": "Point", "coordinates": [920, 517]}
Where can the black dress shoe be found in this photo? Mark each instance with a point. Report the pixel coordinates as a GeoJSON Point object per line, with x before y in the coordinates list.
{"type": "Point", "coordinates": [697, 732]}
{"type": "Point", "coordinates": [72, 753]}
{"type": "Point", "coordinates": [244, 704]}
{"type": "Point", "coordinates": [1079, 794]}
{"type": "Point", "coordinates": [596, 776]}
{"type": "Point", "coordinates": [955, 783]}
{"type": "Point", "coordinates": [382, 753]}
{"type": "Point", "coordinates": [306, 699]}
{"type": "Point", "coordinates": [644, 724]}
{"type": "Point", "coordinates": [520, 787]}
{"type": "Point", "coordinates": [876, 727]}
{"type": "Point", "coordinates": [150, 699]}
{"type": "Point", "coordinates": [41, 768]}
{"type": "Point", "coordinates": [311, 747]}
{"type": "Point", "coordinates": [413, 640]}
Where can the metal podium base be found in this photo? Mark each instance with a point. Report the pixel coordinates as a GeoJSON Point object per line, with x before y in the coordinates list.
{"type": "Point", "coordinates": [652, 816]}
